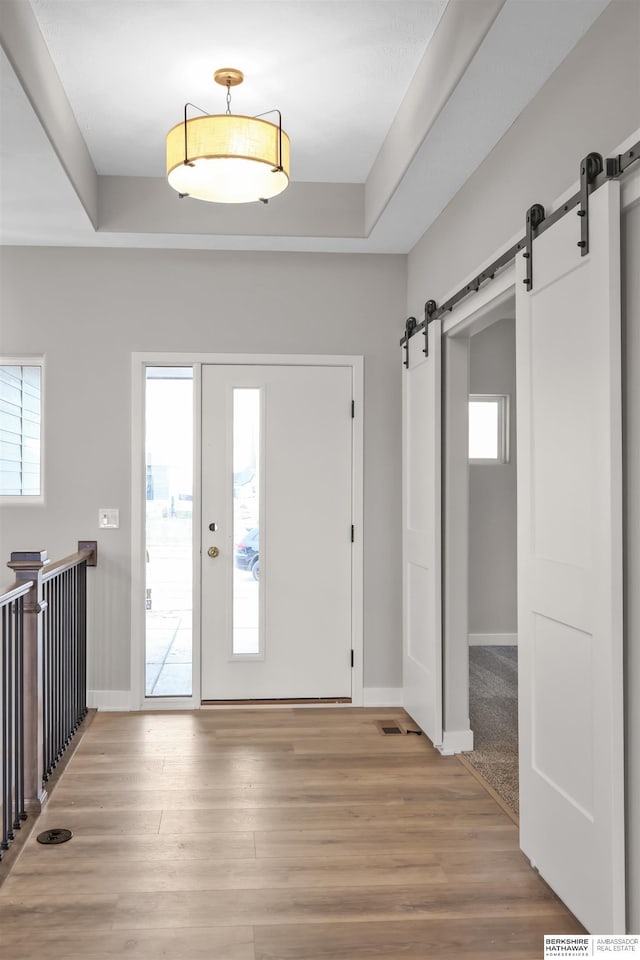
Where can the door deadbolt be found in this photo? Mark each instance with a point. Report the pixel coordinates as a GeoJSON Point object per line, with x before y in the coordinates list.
{"type": "Point", "coordinates": [213, 551]}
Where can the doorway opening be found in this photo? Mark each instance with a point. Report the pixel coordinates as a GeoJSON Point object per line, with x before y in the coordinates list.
{"type": "Point", "coordinates": [492, 543]}
{"type": "Point", "coordinates": [480, 521]}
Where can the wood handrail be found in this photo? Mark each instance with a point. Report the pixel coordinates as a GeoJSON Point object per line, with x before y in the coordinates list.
{"type": "Point", "coordinates": [52, 570]}
{"type": "Point", "coordinates": [15, 591]}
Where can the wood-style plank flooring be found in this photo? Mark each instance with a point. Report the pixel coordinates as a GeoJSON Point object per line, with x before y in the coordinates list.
{"type": "Point", "coordinates": [292, 834]}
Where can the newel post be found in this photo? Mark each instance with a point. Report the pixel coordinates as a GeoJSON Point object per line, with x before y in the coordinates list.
{"type": "Point", "coordinates": [27, 565]}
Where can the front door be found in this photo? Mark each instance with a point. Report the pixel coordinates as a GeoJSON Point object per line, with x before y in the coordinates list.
{"type": "Point", "coordinates": [276, 531]}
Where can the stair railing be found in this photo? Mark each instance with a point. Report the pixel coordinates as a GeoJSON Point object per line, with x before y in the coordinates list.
{"type": "Point", "coordinates": [44, 674]}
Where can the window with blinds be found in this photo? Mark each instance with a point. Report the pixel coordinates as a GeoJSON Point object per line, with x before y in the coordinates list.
{"type": "Point", "coordinates": [20, 420]}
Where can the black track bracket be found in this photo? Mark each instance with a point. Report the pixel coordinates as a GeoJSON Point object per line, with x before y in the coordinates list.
{"type": "Point", "coordinates": [590, 168]}
{"type": "Point", "coordinates": [535, 216]}
{"type": "Point", "coordinates": [593, 173]}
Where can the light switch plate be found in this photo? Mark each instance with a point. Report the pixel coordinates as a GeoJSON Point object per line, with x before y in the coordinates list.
{"type": "Point", "coordinates": [108, 518]}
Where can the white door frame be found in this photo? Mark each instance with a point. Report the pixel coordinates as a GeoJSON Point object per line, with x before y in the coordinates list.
{"type": "Point", "coordinates": [139, 361]}
{"type": "Point", "coordinates": [498, 303]}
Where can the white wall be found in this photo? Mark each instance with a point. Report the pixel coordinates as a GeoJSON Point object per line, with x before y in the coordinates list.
{"type": "Point", "coordinates": [88, 310]}
{"type": "Point", "coordinates": [590, 103]}
{"type": "Point", "coordinates": [492, 494]}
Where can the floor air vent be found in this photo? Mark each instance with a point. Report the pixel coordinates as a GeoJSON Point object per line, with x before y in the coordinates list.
{"type": "Point", "coordinates": [390, 727]}
{"type": "Point", "coordinates": [57, 835]}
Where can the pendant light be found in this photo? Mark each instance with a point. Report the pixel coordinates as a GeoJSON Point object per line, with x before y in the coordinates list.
{"type": "Point", "coordinates": [228, 158]}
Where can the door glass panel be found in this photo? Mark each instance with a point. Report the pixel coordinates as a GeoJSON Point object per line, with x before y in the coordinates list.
{"type": "Point", "coordinates": [169, 531]}
{"type": "Point", "coordinates": [246, 521]}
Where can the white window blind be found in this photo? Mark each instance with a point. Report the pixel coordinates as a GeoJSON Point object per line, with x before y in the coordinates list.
{"type": "Point", "coordinates": [20, 422]}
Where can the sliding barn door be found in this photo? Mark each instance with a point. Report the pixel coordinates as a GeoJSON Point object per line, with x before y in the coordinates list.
{"type": "Point", "coordinates": [570, 564]}
{"type": "Point", "coordinates": [421, 416]}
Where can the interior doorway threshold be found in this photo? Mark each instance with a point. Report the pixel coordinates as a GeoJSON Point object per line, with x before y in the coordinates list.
{"type": "Point", "coordinates": [490, 790]}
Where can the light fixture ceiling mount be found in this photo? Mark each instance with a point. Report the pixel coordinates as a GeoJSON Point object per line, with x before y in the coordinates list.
{"type": "Point", "coordinates": [228, 77]}
{"type": "Point", "coordinates": [228, 158]}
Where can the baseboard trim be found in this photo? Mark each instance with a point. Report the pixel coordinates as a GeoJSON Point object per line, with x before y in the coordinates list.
{"type": "Point", "coordinates": [116, 700]}
{"type": "Point", "coordinates": [382, 697]}
{"type": "Point", "coordinates": [493, 639]}
{"type": "Point", "coordinates": [120, 700]}
{"type": "Point", "coordinates": [455, 741]}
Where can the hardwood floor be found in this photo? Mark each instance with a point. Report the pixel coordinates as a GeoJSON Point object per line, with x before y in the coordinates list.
{"type": "Point", "coordinates": [293, 834]}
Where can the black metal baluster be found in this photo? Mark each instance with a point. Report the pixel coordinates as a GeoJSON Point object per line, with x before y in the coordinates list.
{"type": "Point", "coordinates": [6, 797]}
{"type": "Point", "coordinates": [79, 704]}
{"type": "Point", "coordinates": [73, 713]}
{"type": "Point", "coordinates": [73, 686]}
{"type": "Point", "coordinates": [68, 681]}
{"type": "Point", "coordinates": [54, 672]}
{"type": "Point", "coordinates": [51, 686]}
{"type": "Point", "coordinates": [61, 620]}
{"type": "Point", "coordinates": [78, 678]}
{"type": "Point", "coordinates": [65, 659]}
{"type": "Point", "coordinates": [50, 614]}
{"type": "Point", "coordinates": [10, 686]}
{"type": "Point", "coordinates": [58, 672]}
{"type": "Point", "coordinates": [46, 684]}
{"type": "Point", "coordinates": [82, 594]}
{"type": "Point", "coordinates": [21, 815]}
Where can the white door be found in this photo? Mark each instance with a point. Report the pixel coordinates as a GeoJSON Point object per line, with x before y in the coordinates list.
{"type": "Point", "coordinates": [570, 565]}
{"type": "Point", "coordinates": [276, 506]}
{"type": "Point", "coordinates": [421, 507]}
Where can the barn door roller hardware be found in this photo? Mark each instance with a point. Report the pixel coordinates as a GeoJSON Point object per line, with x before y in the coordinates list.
{"type": "Point", "coordinates": [590, 167]}
{"type": "Point", "coordinates": [593, 173]}
{"type": "Point", "coordinates": [410, 325]}
{"type": "Point", "coordinates": [430, 308]}
{"type": "Point", "coordinates": [535, 216]}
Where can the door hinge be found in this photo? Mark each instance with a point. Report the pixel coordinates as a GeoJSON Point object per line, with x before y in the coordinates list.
{"type": "Point", "coordinates": [352, 658]}
{"type": "Point", "coordinates": [353, 409]}
{"type": "Point", "coordinates": [353, 533]}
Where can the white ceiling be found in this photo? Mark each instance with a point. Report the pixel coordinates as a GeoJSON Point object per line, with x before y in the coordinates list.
{"type": "Point", "coordinates": [337, 71]}
{"type": "Point", "coordinates": [390, 105]}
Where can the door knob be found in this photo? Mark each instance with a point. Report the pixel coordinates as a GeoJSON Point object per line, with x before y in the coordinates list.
{"type": "Point", "coordinates": [213, 551]}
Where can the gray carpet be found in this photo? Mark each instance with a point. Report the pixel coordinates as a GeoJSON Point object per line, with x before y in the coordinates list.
{"type": "Point", "coordinates": [493, 710]}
